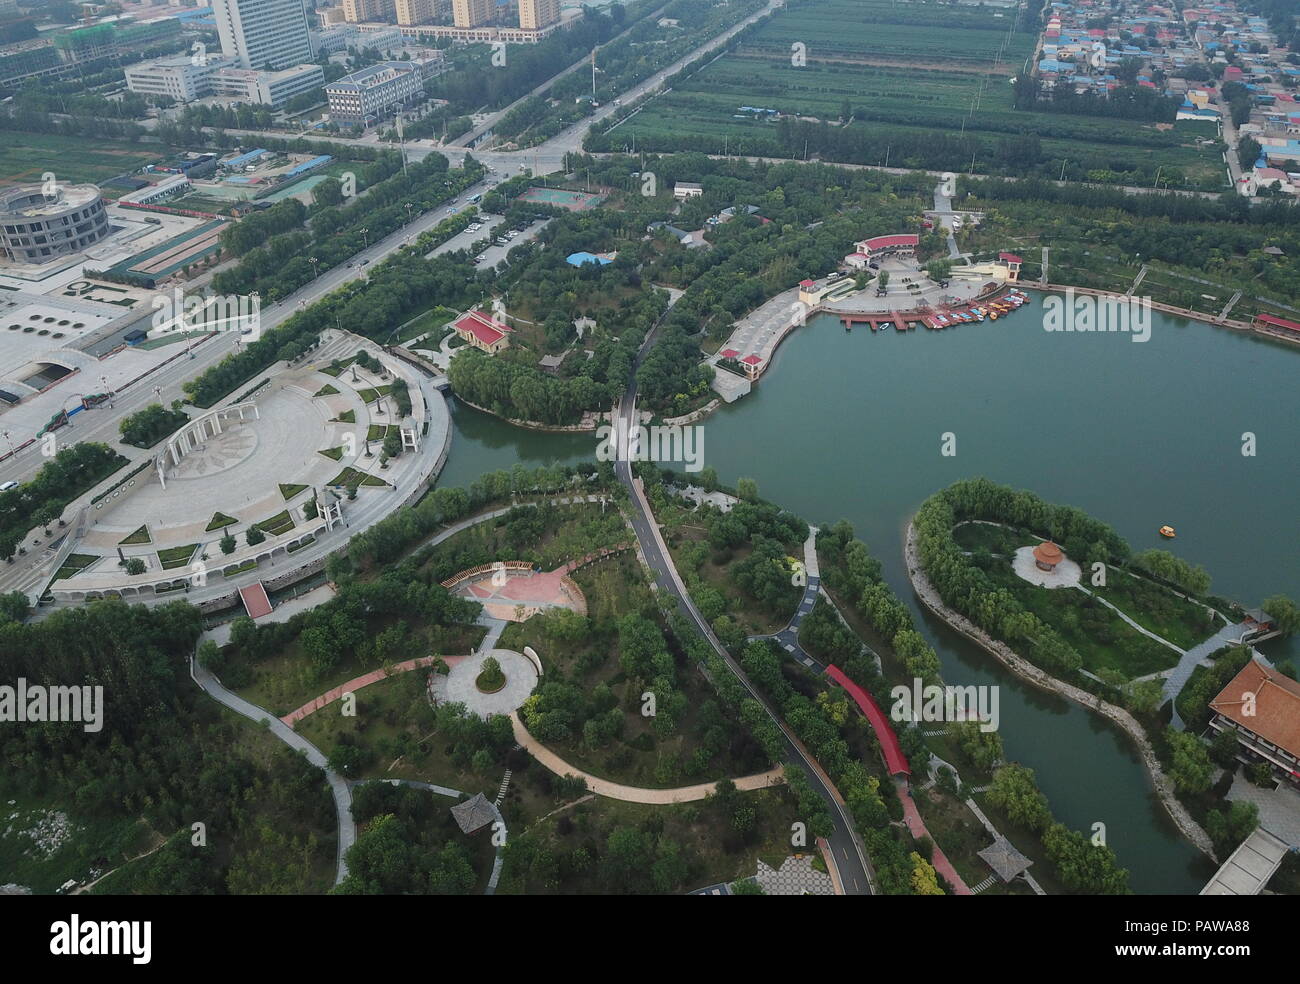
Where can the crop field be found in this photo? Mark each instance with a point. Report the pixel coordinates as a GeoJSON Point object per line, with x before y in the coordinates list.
{"type": "Point", "coordinates": [25, 157]}
{"type": "Point", "coordinates": [902, 30]}
{"type": "Point", "coordinates": [923, 96]}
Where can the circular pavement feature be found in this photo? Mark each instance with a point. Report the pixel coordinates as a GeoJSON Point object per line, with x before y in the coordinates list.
{"type": "Point", "coordinates": [459, 687]}
{"type": "Point", "coordinates": [1066, 575]}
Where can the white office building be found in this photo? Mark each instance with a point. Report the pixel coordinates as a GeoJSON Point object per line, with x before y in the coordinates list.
{"type": "Point", "coordinates": [267, 88]}
{"type": "Point", "coordinates": [376, 90]}
{"type": "Point", "coordinates": [182, 77]}
{"type": "Point", "coordinates": [261, 34]}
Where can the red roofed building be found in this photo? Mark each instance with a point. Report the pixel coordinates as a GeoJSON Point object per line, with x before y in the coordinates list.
{"type": "Point", "coordinates": [1269, 321]}
{"type": "Point", "coordinates": [730, 354]}
{"type": "Point", "coordinates": [483, 331]}
{"type": "Point", "coordinates": [1262, 708]}
{"type": "Point", "coordinates": [1013, 265]}
{"type": "Point", "coordinates": [900, 245]}
{"type": "Point", "coordinates": [753, 365]}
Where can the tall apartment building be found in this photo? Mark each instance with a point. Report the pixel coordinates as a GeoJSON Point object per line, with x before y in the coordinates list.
{"type": "Point", "coordinates": [263, 33]}
{"type": "Point", "coordinates": [412, 12]}
{"type": "Point", "coordinates": [536, 14]}
{"type": "Point", "coordinates": [368, 11]}
{"type": "Point", "coordinates": [471, 13]}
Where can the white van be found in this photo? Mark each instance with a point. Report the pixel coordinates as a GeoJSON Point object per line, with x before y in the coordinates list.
{"type": "Point", "coordinates": [7, 486]}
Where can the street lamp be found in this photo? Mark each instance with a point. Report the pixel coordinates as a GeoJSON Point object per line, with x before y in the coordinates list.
{"type": "Point", "coordinates": [409, 206]}
{"type": "Point", "coordinates": [315, 266]}
{"type": "Point", "coordinates": [365, 238]}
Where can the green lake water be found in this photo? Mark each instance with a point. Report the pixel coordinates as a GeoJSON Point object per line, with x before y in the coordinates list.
{"type": "Point", "coordinates": [849, 425]}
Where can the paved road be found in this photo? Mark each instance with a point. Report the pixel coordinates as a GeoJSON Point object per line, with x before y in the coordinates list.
{"type": "Point", "coordinates": [847, 851]}
{"type": "Point", "coordinates": [102, 424]}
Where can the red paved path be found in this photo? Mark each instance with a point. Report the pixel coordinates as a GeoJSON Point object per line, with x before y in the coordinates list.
{"type": "Point", "coordinates": [365, 680]}
{"type": "Point", "coordinates": [917, 826]}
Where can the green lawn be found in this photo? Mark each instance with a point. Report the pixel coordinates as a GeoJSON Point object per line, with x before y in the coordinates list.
{"type": "Point", "coordinates": [176, 556]}
{"type": "Point", "coordinates": [73, 563]}
{"type": "Point", "coordinates": [280, 523]}
{"type": "Point", "coordinates": [289, 490]}
{"type": "Point", "coordinates": [91, 842]}
{"type": "Point", "coordinates": [1102, 638]}
{"type": "Point", "coordinates": [351, 476]}
{"type": "Point", "coordinates": [139, 536]}
{"type": "Point", "coordinates": [1158, 609]}
{"type": "Point", "coordinates": [219, 521]}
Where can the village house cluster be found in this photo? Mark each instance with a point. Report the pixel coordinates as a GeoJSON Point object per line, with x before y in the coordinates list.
{"type": "Point", "coordinates": [1090, 45]}
{"type": "Point", "coordinates": [1190, 55]}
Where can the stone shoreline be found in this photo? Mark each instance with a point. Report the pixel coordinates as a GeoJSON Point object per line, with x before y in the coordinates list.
{"type": "Point", "coordinates": [1029, 672]}
{"type": "Point", "coordinates": [588, 426]}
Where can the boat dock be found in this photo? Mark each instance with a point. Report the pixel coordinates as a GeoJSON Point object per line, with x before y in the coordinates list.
{"type": "Point", "coordinates": [947, 316]}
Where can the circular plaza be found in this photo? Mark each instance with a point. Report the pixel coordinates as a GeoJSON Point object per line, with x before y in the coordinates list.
{"type": "Point", "coordinates": [265, 482]}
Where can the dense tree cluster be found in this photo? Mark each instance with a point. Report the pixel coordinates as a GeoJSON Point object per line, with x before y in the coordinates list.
{"type": "Point", "coordinates": [853, 574]}
{"type": "Point", "coordinates": [1084, 867]}
{"type": "Point", "coordinates": [165, 753]}
{"type": "Point", "coordinates": [73, 470]}
{"type": "Point", "coordinates": [282, 264]}
{"type": "Point", "coordinates": [409, 845]}
{"type": "Point", "coordinates": [355, 621]}
{"type": "Point", "coordinates": [147, 427]}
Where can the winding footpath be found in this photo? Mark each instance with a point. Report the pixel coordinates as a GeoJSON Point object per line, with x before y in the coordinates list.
{"type": "Point", "coordinates": [339, 786]}
{"type": "Point", "coordinates": [636, 794]}
{"type": "Point", "coordinates": [1033, 674]}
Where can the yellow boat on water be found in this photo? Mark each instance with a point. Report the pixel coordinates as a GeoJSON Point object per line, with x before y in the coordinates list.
{"type": "Point", "coordinates": [1167, 531]}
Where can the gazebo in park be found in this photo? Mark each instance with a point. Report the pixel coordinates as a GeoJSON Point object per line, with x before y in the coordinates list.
{"type": "Point", "coordinates": [473, 814]}
{"type": "Point", "coordinates": [1047, 555]}
{"type": "Point", "coordinates": [1005, 859]}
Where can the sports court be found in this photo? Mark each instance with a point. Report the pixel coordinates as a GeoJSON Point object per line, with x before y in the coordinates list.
{"type": "Point", "coordinates": [574, 201]}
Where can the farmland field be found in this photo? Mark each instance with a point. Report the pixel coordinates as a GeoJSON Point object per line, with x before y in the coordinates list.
{"type": "Point", "coordinates": [923, 96]}
{"type": "Point", "coordinates": [907, 29]}
{"type": "Point", "coordinates": [24, 157]}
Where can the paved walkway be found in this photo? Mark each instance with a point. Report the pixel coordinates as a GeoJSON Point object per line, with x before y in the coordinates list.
{"type": "Point", "coordinates": [912, 816]}
{"type": "Point", "coordinates": [1250, 866]}
{"type": "Point", "coordinates": [636, 794]}
{"type": "Point", "coordinates": [796, 876]}
{"type": "Point", "coordinates": [788, 637]}
{"type": "Point", "coordinates": [353, 685]}
{"type": "Point", "coordinates": [1279, 809]}
{"type": "Point", "coordinates": [1228, 635]}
